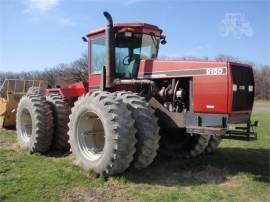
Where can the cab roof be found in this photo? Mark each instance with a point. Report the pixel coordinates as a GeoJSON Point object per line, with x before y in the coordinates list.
{"type": "Point", "coordinates": [120, 26]}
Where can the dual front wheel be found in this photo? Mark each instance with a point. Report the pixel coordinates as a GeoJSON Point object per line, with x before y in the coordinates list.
{"type": "Point", "coordinates": [110, 132]}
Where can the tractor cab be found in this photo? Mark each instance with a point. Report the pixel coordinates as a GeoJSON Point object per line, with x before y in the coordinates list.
{"type": "Point", "coordinates": [118, 48]}
{"type": "Point", "coordinates": [130, 47]}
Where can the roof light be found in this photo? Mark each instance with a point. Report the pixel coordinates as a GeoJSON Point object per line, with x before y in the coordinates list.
{"type": "Point", "coordinates": [130, 29]}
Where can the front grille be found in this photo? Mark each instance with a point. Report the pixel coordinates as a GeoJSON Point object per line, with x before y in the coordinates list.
{"type": "Point", "coordinates": [243, 88]}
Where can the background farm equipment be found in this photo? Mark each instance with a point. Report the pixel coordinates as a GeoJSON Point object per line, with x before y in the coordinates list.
{"type": "Point", "coordinates": [10, 93]}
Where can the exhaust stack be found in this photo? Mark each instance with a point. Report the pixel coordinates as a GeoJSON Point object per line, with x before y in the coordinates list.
{"type": "Point", "coordinates": [110, 51]}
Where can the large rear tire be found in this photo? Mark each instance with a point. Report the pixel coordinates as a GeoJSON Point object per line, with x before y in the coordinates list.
{"type": "Point", "coordinates": [61, 111]}
{"type": "Point", "coordinates": [214, 141]}
{"type": "Point", "coordinates": [102, 134]}
{"type": "Point", "coordinates": [147, 128]}
{"type": "Point", "coordinates": [175, 143]}
{"type": "Point", "coordinates": [34, 122]}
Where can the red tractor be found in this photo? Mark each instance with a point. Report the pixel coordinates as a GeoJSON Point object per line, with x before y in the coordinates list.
{"type": "Point", "coordinates": [131, 99]}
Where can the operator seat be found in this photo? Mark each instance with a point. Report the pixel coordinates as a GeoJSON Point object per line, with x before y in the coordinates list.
{"type": "Point", "coordinates": [133, 66]}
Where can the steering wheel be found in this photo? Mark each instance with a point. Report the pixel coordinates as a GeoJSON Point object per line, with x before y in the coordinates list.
{"type": "Point", "coordinates": [126, 60]}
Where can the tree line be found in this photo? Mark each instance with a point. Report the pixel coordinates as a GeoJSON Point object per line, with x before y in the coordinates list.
{"type": "Point", "coordinates": [77, 70]}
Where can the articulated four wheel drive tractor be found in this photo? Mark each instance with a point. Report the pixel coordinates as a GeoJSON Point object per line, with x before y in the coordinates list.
{"type": "Point", "coordinates": [134, 104]}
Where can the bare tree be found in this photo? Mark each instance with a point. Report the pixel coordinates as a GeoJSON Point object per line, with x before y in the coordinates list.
{"type": "Point", "coordinates": [78, 70]}
{"type": "Point", "coordinates": [262, 82]}
{"type": "Point", "coordinates": [225, 58]}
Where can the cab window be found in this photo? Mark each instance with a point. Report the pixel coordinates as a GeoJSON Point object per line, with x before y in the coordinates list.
{"type": "Point", "coordinates": [97, 51]}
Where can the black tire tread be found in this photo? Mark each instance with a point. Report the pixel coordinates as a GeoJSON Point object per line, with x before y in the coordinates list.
{"type": "Point", "coordinates": [35, 91]}
{"type": "Point", "coordinates": [199, 146]}
{"type": "Point", "coordinates": [42, 122]}
{"type": "Point", "coordinates": [213, 144]}
{"type": "Point", "coordinates": [61, 111]}
{"type": "Point", "coordinates": [147, 127]}
{"type": "Point", "coordinates": [122, 126]}
{"type": "Point", "coordinates": [184, 145]}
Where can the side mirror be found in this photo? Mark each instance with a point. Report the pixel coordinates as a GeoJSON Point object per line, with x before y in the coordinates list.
{"type": "Point", "coordinates": [163, 39]}
{"type": "Point", "coordinates": [84, 39]}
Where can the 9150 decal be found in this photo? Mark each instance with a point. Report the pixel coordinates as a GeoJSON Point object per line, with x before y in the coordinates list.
{"type": "Point", "coordinates": [185, 72]}
{"type": "Point", "coordinates": [214, 71]}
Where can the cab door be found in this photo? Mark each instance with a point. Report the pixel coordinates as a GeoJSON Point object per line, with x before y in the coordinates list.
{"type": "Point", "coordinates": [96, 60]}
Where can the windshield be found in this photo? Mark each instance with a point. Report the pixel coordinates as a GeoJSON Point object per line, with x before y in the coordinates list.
{"type": "Point", "coordinates": [130, 48]}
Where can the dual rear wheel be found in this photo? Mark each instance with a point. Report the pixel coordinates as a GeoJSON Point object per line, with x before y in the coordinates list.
{"type": "Point", "coordinates": [177, 143]}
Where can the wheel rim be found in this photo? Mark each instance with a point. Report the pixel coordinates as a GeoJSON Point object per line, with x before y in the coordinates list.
{"type": "Point", "coordinates": [26, 125]}
{"type": "Point", "coordinates": [90, 136]}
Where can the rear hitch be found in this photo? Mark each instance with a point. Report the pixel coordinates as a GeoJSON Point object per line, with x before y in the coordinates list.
{"type": "Point", "coordinates": [246, 133]}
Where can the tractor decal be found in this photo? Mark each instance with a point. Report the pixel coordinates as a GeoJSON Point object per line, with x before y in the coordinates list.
{"type": "Point", "coordinates": [211, 71]}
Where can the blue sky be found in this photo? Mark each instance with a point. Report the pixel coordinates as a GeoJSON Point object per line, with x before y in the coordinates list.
{"type": "Point", "coordinates": [38, 34]}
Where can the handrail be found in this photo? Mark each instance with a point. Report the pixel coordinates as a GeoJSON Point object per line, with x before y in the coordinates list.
{"type": "Point", "coordinates": [23, 80]}
{"type": "Point", "coordinates": [2, 86]}
{"type": "Point", "coordinates": [7, 82]}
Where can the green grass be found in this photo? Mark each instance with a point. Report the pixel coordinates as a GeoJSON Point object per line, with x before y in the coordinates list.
{"type": "Point", "coordinates": [237, 171]}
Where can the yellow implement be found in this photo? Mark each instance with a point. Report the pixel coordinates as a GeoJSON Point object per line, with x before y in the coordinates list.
{"type": "Point", "coordinates": [10, 93]}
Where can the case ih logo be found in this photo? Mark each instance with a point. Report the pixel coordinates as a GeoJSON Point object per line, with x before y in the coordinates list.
{"type": "Point", "coordinates": [186, 72]}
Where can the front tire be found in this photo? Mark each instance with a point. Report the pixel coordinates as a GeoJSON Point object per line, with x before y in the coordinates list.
{"type": "Point", "coordinates": [61, 111]}
{"type": "Point", "coordinates": [102, 134]}
{"type": "Point", "coordinates": [147, 128]}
